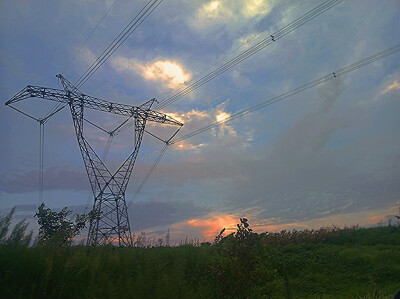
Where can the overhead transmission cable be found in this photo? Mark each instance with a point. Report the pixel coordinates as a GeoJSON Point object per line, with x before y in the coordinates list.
{"type": "Point", "coordinates": [224, 57]}
{"type": "Point", "coordinates": [41, 160]}
{"type": "Point", "coordinates": [309, 85]}
{"type": "Point", "coordinates": [90, 35]}
{"type": "Point", "coordinates": [115, 44]}
{"type": "Point", "coordinates": [280, 33]}
{"type": "Point", "coordinates": [119, 40]}
{"type": "Point", "coordinates": [251, 51]}
{"type": "Point", "coordinates": [244, 55]}
{"type": "Point", "coordinates": [158, 159]}
{"type": "Point", "coordinates": [42, 121]}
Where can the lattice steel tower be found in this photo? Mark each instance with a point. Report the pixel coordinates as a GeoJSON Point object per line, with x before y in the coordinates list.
{"type": "Point", "coordinates": [112, 222]}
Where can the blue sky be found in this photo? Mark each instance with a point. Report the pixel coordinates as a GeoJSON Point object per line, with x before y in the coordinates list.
{"type": "Point", "coordinates": [329, 155]}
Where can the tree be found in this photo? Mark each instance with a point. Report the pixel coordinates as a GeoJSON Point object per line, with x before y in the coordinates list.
{"type": "Point", "coordinates": [57, 229]}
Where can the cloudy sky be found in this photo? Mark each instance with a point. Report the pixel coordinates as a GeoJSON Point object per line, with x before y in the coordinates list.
{"type": "Point", "coordinates": [330, 155]}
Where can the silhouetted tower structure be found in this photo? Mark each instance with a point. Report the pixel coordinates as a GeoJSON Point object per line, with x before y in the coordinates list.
{"type": "Point", "coordinates": [111, 225]}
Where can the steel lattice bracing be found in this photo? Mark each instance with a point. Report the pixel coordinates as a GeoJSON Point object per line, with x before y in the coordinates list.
{"type": "Point", "coordinates": [112, 222]}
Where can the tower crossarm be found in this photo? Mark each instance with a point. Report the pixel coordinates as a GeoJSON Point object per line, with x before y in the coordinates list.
{"type": "Point", "coordinates": [30, 91]}
{"type": "Point", "coordinates": [68, 97]}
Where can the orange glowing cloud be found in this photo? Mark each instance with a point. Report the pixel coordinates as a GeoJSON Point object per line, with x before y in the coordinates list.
{"type": "Point", "coordinates": [185, 146]}
{"type": "Point", "coordinates": [395, 86]}
{"type": "Point", "coordinates": [211, 226]}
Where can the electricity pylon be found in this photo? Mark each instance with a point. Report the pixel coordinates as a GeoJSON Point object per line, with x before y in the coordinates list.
{"type": "Point", "coordinates": [111, 223]}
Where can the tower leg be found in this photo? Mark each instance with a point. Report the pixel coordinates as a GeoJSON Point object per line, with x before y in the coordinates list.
{"type": "Point", "coordinates": [111, 224]}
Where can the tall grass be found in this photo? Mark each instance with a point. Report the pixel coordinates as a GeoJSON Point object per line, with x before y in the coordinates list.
{"type": "Point", "coordinates": [325, 263]}
{"type": "Point", "coordinates": [18, 235]}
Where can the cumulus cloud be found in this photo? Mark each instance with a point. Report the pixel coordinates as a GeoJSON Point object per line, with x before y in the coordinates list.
{"type": "Point", "coordinates": [394, 86]}
{"type": "Point", "coordinates": [211, 10]}
{"type": "Point", "coordinates": [87, 56]}
{"type": "Point", "coordinates": [170, 73]}
{"type": "Point", "coordinates": [223, 11]}
{"type": "Point", "coordinates": [224, 128]}
{"type": "Point", "coordinates": [252, 8]}
{"type": "Point", "coordinates": [196, 119]}
{"type": "Point", "coordinates": [186, 146]}
{"type": "Point", "coordinates": [245, 41]}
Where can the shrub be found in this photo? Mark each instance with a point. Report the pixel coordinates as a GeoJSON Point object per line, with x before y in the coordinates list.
{"type": "Point", "coordinates": [56, 229]}
{"type": "Point", "coordinates": [240, 267]}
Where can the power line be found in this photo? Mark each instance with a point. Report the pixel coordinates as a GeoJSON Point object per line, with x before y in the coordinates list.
{"type": "Point", "coordinates": [340, 72]}
{"type": "Point", "coordinates": [231, 63]}
{"type": "Point", "coordinates": [251, 51]}
{"type": "Point", "coordinates": [251, 39]}
{"type": "Point", "coordinates": [119, 40]}
{"type": "Point", "coordinates": [309, 85]}
{"type": "Point", "coordinates": [148, 174]}
{"type": "Point", "coordinates": [42, 121]}
{"type": "Point", "coordinates": [41, 160]}
{"type": "Point", "coordinates": [90, 35]}
{"type": "Point", "coordinates": [244, 55]}
{"type": "Point", "coordinates": [122, 34]}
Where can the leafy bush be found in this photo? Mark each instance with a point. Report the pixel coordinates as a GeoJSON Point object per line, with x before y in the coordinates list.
{"type": "Point", "coordinates": [240, 267]}
{"type": "Point", "coordinates": [56, 229]}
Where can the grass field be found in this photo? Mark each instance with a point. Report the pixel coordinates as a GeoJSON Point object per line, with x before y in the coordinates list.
{"type": "Point", "coordinates": [353, 263]}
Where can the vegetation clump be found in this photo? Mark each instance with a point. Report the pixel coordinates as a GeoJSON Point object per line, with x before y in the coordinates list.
{"type": "Point", "coordinates": [56, 229]}
{"type": "Point", "coordinates": [240, 266]}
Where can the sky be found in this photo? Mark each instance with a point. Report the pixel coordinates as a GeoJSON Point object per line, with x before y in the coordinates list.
{"type": "Point", "coordinates": [327, 156]}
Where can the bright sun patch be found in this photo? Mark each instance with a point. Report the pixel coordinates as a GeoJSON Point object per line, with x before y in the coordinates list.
{"type": "Point", "coordinates": [168, 71]}
{"type": "Point", "coordinates": [254, 8]}
{"type": "Point", "coordinates": [221, 116]}
{"type": "Point", "coordinates": [211, 9]}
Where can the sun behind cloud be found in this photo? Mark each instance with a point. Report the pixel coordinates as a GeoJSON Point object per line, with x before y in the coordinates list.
{"type": "Point", "coordinates": [212, 8]}
{"type": "Point", "coordinates": [252, 8]}
{"type": "Point", "coordinates": [169, 72]}
{"type": "Point", "coordinates": [212, 225]}
{"type": "Point", "coordinates": [231, 10]}
{"type": "Point", "coordinates": [222, 115]}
